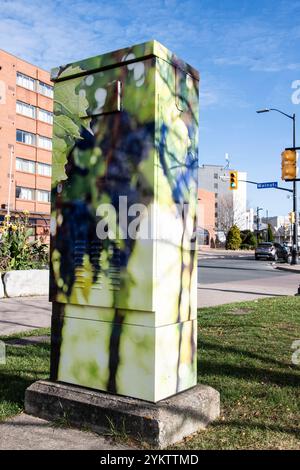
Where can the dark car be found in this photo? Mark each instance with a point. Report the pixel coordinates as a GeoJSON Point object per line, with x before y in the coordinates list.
{"type": "Point", "coordinates": [273, 251]}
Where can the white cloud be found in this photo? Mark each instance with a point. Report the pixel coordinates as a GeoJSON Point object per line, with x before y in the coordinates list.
{"type": "Point", "coordinates": [56, 32]}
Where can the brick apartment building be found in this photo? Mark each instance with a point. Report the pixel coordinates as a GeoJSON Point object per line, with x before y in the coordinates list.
{"type": "Point", "coordinates": [26, 104]}
{"type": "Point", "coordinates": [206, 218]}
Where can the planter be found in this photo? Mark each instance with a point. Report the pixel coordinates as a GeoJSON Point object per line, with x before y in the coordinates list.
{"type": "Point", "coordinates": [26, 283]}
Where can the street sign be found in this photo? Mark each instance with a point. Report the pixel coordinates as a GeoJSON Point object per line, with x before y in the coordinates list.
{"type": "Point", "coordinates": [272, 184]}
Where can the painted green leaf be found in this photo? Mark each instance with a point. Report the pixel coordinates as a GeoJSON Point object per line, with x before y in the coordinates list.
{"type": "Point", "coordinates": [65, 126]}
{"type": "Point", "coordinates": [68, 105]}
{"type": "Point", "coordinates": [58, 160]}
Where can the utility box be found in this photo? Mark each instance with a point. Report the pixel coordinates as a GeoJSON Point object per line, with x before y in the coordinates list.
{"type": "Point", "coordinates": [123, 223]}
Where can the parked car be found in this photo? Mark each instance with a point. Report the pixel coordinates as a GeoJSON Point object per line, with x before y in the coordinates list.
{"type": "Point", "coordinates": [273, 251]}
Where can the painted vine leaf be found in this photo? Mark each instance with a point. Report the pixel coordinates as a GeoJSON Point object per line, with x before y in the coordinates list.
{"type": "Point", "coordinates": [69, 104]}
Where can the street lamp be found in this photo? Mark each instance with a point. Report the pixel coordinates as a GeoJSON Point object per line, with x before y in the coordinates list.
{"type": "Point", "coordinates": [258, 209]}
{"type": "Point", "coordinates": [295, 210]}
{"type": "Point", "coordinates": [267, 214]}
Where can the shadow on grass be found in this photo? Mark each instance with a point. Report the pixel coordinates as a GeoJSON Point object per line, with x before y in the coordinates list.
{"type": "Point", "coordinates": [255, 374]}
{"type": "Point", "coordinates": [255, 424]}
{"type": "Point", "coordinates": [12, 389]}
{"type": "Point", "coordinates": [247, 354]}
{"type": "Point", "coordinates": [20, 372]}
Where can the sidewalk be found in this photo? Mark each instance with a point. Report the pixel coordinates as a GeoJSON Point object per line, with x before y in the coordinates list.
{"type": "Point", "coordinates": [24, 432]}
{"type": "Point", "coordinates": [24, 314]}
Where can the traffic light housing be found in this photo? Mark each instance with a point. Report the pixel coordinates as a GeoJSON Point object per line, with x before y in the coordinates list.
{"type": "Point", "coordinates": [292, 217]}
{"type": "Point", "coordinates": [233, 180]}
{"type": "Point", "coordinates": [289, 167]}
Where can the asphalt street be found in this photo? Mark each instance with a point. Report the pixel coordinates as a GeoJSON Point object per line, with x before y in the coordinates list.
{"type": "Point", "coordinates": [220, 281]}
{"type": "Point", "coordinates": [225, 280]}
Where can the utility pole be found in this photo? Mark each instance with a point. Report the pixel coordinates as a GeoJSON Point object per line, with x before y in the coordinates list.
{"type": "Point", "coordinates": [258, 209]}
{"type": "Point", "coordinates": [295, 208]}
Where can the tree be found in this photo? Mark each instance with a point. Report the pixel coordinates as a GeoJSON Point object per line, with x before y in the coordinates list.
{"type": "Point", "coordinates": [248, 238]}
{"type": "Point", "coordinates": [251, 240]}
{"type": "Point", "coordinates": [233, 240]}
{"type": "Point", "coordinates": [245, 235]}
{"type": "Point", "coordinates": [227, 215]}
{"type": "Point", "coordinates": [270, 234]}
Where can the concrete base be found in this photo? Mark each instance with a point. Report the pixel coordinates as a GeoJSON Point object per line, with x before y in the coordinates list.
{"type": "Point", "coordinates": [157, 424]}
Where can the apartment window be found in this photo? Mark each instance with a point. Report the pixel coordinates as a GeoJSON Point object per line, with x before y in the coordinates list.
{"type": "Point", "coordinates": [25, 137]}
{"type": "Point", "coordinates": [216, 215]}
{"type": "Point", "coordinates": [44, 169]}
{"type": "Point", "coordinates": [216, 195]}
{"type": "Point", "coordinates": [216, 176]}
{"type": "Point", "coordinates": [216, 185]}
{"type": "Point", "coordinates": [216, 205]}
{"type": "Point", "coordinates": [46, 90]}
{"type": "Point", "coordinates": [27, 166]}
{"type": "Point", "coordinates": [25, 81]}
{"type": "Point", "coordinates": [25, 193]}
{"type": "Point", "coordinates": [25, 109]}
{"type": "Point", "coordinates": [43, 196]}
{"type": "Point", "coordinates": [44, 142]}
{"type": "Point", "coordinates": [45, 116]}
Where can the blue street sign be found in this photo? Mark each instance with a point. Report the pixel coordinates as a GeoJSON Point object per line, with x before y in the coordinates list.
{"type": "Point", "coordinates": [272, 184]}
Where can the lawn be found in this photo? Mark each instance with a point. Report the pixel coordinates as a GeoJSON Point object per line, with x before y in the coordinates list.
{"type": "Point", "coordinates": [23, 366]}
{"type": "Point", "coordinates": [244, 352]}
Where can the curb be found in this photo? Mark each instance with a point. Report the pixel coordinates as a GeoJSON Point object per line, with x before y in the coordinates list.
{"type": "Point", "coordinates": [289, 270]}
{"type": "Point", "coordinates": [226, 257]}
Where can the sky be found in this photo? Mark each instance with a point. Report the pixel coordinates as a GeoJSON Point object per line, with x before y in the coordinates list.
{"type": "Point", "coordinates": [247, 53]}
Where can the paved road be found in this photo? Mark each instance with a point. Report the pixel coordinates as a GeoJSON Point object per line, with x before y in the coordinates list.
{"type": "Point", "coordinates": [220, 281]}
{"type": "Point", "coordinates": [229, 280]}
{"type": "Point", "coordinates": [24, 314]}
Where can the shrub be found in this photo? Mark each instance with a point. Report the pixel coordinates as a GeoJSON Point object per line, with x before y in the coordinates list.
{"type": "Point", "coordinates": [245, 246]}
{"type": "Point", "coordinates": [244, 235]}
{"type": "Point", "coordinates": [270, 234]}
{"type": "Point", "coordinates": [233, 240]}
{"type": "Point", "coordinates": [16, 249]}
{"type": "Point", "coordinates": [248, 238]}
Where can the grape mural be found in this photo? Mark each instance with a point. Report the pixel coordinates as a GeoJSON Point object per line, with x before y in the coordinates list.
{"type": "Point", "coordinates": [124, 307]}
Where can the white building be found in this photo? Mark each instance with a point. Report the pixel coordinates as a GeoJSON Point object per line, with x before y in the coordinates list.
{"type": "Point", "coordinates": [281, 224]}
{"type": "Point", "coordinates": [250, 219]}
{"type": "Point", "coordinates": [230, 205]}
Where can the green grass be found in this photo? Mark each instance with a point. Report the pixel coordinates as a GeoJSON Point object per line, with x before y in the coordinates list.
{"type": "Point", "coordinates": [244, 352]}
{"type": "Point", "coordinates": [248, 359]}
{"type": "Point", "coordinates": [23, 366]}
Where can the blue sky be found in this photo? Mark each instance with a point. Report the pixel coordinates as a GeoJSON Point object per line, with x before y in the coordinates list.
{"type": "Point", "coordinates": [247, 52]}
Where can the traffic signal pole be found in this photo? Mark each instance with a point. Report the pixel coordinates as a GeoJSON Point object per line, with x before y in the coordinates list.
{"type": "Point", "coordinates": [258, 209]}
{"type": "Point", "coordinates": [295, 208]}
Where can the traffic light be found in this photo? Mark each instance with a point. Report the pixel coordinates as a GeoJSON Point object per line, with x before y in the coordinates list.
{"type": "Point", "coordinates": [289, 167]}
{"type": "Point", "coordinates": [233, 180]}
{"type": "Point", "coordinates": [292, 217]}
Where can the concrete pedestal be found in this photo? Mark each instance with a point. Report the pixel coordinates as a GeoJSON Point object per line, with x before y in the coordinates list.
{"type": "Point", "coordinates": [157, 424]}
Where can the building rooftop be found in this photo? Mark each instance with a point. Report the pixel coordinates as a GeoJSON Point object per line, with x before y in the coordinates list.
{"type": "Point", "coordinates": [23, 60]}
